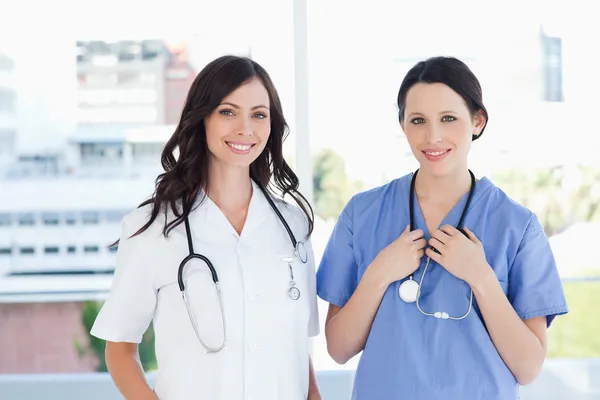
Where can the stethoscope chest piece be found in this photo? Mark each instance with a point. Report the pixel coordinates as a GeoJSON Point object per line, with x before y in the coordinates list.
{"type": "Point", "coordinates": [408, 290]}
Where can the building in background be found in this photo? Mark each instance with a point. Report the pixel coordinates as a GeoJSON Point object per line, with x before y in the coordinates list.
{"type": "Point", "coordinates": [68, 180]}
{"type": "Point", "coordinates": [8, 108]}
{"type": "Point", "coordinates": [132, 82]}
{"type": "Point", "coordinates": [130, 96]}
{"type": "Point", "coordinates": [179, 76]}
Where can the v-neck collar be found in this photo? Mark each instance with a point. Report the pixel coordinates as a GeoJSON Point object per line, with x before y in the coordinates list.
{"type": "Point", "coordinates": [454, 214]}
{"type": "Point", "coordinates": [258, 210]}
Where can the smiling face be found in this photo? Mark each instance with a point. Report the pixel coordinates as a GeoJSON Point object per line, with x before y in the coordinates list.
{"type": "Point", "coordinates": [439, 127]}
{"type": "Point", "coordinates": [239, 128]}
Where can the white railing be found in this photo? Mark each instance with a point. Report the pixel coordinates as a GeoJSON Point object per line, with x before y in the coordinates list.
{"type": "Point", "coordinates": [561, 379]}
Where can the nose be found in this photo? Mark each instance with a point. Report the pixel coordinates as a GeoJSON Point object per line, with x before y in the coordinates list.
{"type": "Point", "coordinates": [245, 127]}
{"type": "Point", "coordinates": [434, 133]}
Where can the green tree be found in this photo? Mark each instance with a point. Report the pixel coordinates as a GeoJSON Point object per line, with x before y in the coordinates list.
{"type": "Point", "coordinates": [330, 184]}
{"type": "Point", "coordinates": [552, 196]}
{"type": "Point", "coordinates": [561, 197]}
{"type": "Point", "coordinates": [96, 346]}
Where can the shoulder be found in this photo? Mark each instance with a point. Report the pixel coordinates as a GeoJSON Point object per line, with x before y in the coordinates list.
{"type": "Point", "coordinates": [502, 207]}
{"type": "Point", "coordinates": [504, 214]}
{"type": "Point", "coordinates": [137, 218]}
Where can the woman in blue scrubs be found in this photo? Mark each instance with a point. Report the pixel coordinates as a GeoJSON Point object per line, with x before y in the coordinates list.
{"type": "Point", "coordinates": [445, 284]}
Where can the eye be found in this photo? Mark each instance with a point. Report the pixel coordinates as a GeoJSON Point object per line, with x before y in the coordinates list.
{"type": "Point", "coordinates": [260, 115]}
{"type": "Point", "coordinates": [226, 112]}
{"type": "Point", "coordinates": [448, 118]}
{"type": "Point", "coordinates": [417, 121]}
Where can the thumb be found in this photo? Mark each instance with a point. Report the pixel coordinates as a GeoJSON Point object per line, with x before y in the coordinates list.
{"type": "Point", "coordinates": [404, 233]}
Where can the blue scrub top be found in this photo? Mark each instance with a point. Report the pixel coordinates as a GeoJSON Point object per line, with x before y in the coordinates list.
{"type": "Point", "coordinates": [412, 356]}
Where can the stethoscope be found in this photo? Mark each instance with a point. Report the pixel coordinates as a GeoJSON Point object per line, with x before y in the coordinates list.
{"type": "Point", "coordinates": [300, 253]}
{"type": "Point", "coordinates": [410, 291]}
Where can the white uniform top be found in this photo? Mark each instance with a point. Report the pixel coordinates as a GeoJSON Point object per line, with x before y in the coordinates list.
{"type": "Point", "coordinates": [267, 350]}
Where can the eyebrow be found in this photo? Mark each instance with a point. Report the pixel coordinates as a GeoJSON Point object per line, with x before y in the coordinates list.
{"type": "Point", "coordinates": [238, 107]}
{"type": "Point", "coordinates": [440, 113]}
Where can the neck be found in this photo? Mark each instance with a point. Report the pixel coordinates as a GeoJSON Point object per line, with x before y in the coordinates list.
{"type": "Point", "coordinates": [448, 187]}
{"type": "Point", "coordinates": [229, 187]}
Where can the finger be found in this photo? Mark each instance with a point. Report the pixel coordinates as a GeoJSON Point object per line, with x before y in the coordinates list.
{"type": "Point", "coordinates": [435, 243]}
{"type": "Point", "coordinates": [420, 254]}
{"type": "Point", "coordinates": [433, 255]}
{"type": "Point", "coordinates": [471, 235]}
{"type": "Point", "coordinates": [416, 234]}
{"type": "Point", "coordinates": [420, 244]}
{"type": "Point", "coordinates": [442, 236]}
{"type": "Point", "coordinates": [449, 230]}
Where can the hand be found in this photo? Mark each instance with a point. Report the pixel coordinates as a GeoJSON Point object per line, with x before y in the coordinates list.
{"type": "Point", "coordinates": [461, 256]}
{"type": "Point", "coordinates": [401, 257]}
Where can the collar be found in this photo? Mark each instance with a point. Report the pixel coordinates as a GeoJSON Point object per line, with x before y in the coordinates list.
{"type": "Point", "coordinates": [207, 217]}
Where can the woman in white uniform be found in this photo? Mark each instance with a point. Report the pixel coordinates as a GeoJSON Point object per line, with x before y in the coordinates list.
{"type": "Point", "coordinates": [234, 321]}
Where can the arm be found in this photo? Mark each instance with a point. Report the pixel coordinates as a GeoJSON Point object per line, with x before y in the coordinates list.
{"type": "Point", "coordinates": [353, 305]}
{"type": "Point", "coordinates": [126, 315]}
{"type": "Point", "coordinates": [313, 387]}
{"type": "Point", "coordinates": [347, 328]}
{"type": "Point", "coordinates": [517, 321]}
{"type": "Point", "coordinates": [520, 343]}
{"type": "Point", "coordinates": [124, 366]}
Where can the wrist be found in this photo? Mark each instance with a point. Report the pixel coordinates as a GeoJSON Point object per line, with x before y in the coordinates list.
{"type": "Point", "coordinates": [483, 280]}
{"type": "Point", "coordinates": [374, 278]}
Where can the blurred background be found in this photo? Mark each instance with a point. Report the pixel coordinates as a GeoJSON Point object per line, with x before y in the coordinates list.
{"type": "Point", "coordinates": [90, 91]}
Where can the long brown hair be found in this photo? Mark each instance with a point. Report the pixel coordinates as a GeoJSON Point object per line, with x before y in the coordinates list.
{"type": "Point", "coordinates": [186, 175]}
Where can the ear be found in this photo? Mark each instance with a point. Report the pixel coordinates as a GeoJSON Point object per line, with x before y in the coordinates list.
{"type": "Point", "coordinates": [402, 126]}
{"type": "Point", "coordinates": [479, 122]}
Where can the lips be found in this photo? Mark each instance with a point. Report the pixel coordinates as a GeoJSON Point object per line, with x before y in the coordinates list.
{"type": "Point", "coordinates": [435, 152]}
{"type": "Point", "coordinates": [435, 155]}
{"type": "Point", "coordinates": [240, 146]}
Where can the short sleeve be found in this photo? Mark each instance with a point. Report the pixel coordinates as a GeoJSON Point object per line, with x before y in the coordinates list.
{"type": "Point", "coordinates": [534, 287]}
{"type": "Point", "coordinates": [128, 311]}
{"type": "Point", "coordinates": [337, 272]}
{"type": "Point", "coordinates": [313, 321]}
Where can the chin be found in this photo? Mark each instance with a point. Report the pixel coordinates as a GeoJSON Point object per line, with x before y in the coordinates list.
{"type": "Point", "coordinates": [439, 169]}
{"type": "Point", "coordinates": [239, 163]}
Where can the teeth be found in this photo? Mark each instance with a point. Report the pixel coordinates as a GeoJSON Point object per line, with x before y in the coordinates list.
{"type": "Point", "coordinates": [435, 153]}
{"type": "Point", "coordinates": [242, 147]}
